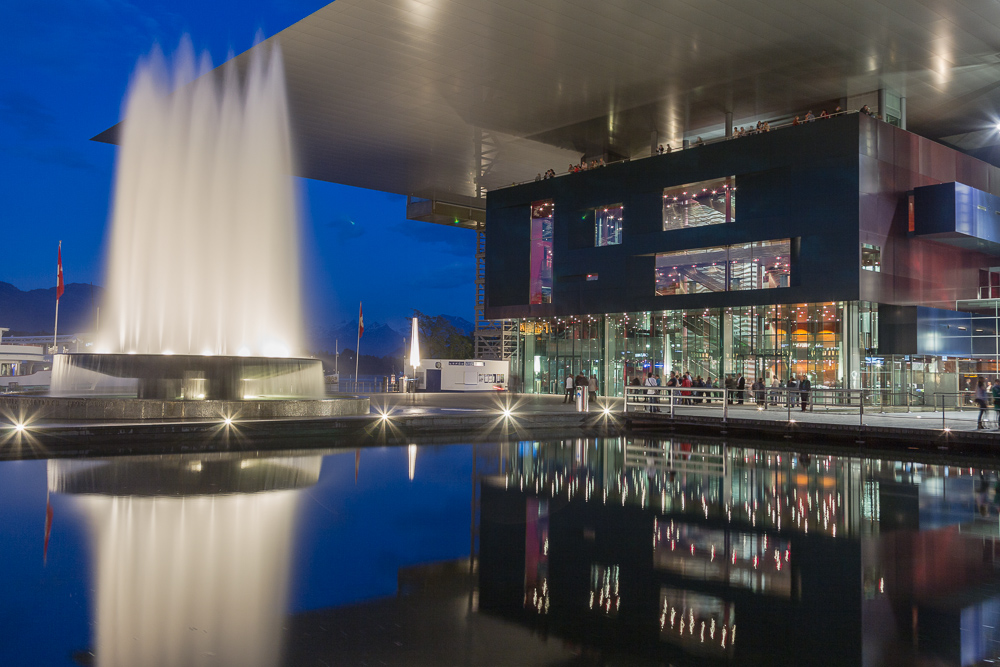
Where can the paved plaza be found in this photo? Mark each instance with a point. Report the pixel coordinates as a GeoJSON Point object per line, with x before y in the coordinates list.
{"type": "Point", "coordinates": [468, 403]}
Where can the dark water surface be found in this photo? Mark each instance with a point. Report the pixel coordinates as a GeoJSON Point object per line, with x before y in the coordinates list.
{"type": "Point", "coordinates": [587, 552]}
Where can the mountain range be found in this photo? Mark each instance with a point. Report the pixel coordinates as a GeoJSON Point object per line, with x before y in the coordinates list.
{"type": "Point", "coordinates": [32, 312]}
{"type": "Point", "coordinates": [381, 339]}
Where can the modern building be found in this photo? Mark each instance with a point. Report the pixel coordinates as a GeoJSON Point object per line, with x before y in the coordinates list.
{"type": "Point", "coordinates": [845, 249]}
{"type": "Point", "coordinates": [450, 101]}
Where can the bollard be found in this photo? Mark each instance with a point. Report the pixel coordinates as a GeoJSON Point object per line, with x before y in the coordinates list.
{"type": "Point", "coordinates": [582, 399]}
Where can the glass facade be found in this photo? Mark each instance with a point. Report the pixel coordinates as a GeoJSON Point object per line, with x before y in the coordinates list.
{"type": "Point", "coordinates": [540, 283]}
{"type": "Point", "coordinates": [699, 204]}
{"type": "Point", "coordinates": [747, 266]}
{"type": "Point", "coordinates": [831, 342]}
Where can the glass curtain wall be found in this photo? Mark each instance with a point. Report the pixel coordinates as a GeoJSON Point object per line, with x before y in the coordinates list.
{"type": "Point", "coordinates": [770, 342]}
{"type": "Point", "coordinates": [540, 281]}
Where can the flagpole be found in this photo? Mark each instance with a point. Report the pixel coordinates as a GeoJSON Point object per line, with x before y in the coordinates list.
{"type": "Point", "coordinates": [357, 351]}
{"type": "Point", "coordinates": [55, 332]}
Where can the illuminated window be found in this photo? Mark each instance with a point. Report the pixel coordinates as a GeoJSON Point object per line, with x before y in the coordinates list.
{"type": "Point", "coordinates": [746, 266]}
{"type": "Point", "coordinates": [760, 265]}
{"type": "Point", "coordinates": [871, 257]}
{"type": "Point", "coordinates": [540, 284]}
{"type": "Point", "coordinates": [691, 271]}
{"type": "Point", "coordinates": [607, 224]}
{"type": "Point", "coordinates": [700, 204]}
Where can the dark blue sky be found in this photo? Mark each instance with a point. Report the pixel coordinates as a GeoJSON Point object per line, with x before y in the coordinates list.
{"type": "Point", "coordinates": [66, 68]}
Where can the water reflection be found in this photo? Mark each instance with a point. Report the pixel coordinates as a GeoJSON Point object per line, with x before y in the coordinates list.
{"type": "Point", "coordinates": [190, 554]}
{"type": "Point", "coordinates": [680, 550]}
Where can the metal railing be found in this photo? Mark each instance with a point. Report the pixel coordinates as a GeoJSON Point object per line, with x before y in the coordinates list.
{"type": "Point", "coordinates": [781, 399]}
{"type": "Point", "coordinates": [691, 145]}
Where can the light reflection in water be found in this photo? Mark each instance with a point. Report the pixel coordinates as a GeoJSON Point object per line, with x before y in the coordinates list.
{"type": "Point", "coordinates": [184, 574]}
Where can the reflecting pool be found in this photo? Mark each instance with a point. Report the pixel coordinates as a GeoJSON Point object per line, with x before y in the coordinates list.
{"type": "Point", "coordinates": [614, 551]}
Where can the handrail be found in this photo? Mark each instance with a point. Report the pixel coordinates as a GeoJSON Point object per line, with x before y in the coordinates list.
{"type": "Point", "coordinates": [716, 140]}
{"type": "Point", "coordinates": [655, 399]}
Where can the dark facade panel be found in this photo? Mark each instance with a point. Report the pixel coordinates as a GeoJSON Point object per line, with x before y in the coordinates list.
{"type": "Point", "coordinates": [799, 183]}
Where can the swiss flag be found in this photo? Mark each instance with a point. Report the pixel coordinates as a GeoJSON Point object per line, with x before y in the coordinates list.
{"type": "Point", "coordinates": [60, 287]}
{"type": "Point", "coordinates": [361, 316]}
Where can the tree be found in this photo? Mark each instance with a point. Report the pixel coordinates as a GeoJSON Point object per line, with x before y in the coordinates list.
{"type": "Point", "coordinates": [440, 339]}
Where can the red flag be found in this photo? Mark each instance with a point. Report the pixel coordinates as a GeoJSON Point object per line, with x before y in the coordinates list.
{"type": "Point", "coordinates": [361, 319]}
{"type": "Point", "coordinates": [48, 529]}
{"type": "Point", "coordinates": [60, 287]}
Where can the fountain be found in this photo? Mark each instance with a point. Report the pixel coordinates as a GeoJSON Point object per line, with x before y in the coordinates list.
{"type": "Point", "coordinates": [203, 287]}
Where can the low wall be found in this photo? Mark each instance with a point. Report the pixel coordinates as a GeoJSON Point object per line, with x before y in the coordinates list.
{"type": "Point", "coordinates": [134, 409]}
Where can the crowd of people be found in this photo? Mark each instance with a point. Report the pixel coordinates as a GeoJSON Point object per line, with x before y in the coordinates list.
{"type": "Point", "coordinates": [573, 168]}
{"type": "Point", "coordinates": [693, 390]}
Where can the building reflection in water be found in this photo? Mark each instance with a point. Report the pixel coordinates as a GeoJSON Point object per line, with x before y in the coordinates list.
{"type": "Point", "coordinates": [685, 549]}
{"type": "Point", "coordinates": [190, 554]}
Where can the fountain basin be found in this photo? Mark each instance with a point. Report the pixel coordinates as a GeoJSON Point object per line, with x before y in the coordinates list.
{"type": "Point", "coordinates": [28, 409]}
{"type": "Point", "coordinates": [186, 377]}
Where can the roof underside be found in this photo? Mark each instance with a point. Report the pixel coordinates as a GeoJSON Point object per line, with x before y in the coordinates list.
{"type": "Point", "coordinates": [406, 95]}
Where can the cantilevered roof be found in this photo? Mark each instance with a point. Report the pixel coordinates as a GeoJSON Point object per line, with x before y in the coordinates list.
{"type": "Point", "coordinates": [404, 95]}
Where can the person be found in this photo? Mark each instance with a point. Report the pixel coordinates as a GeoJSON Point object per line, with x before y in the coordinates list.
{"type": "Point", "coordinates": [569, 388]}
{"type": "Point", "coordinates": [741, 385]}
{"type": "Point", "coordinates": [809, 116]}
{"type": "Point", "coordinates": [538, 176]}
{"type": "Point", "coordinates": [796, 121]}
{"type": "Point", "coordinates": [730, 386]}
{"type": "Point", "coordinates": [793, 394]}
{"type": "Point", "coordinates": [650, 382]}
{"type": "Point", "coordinates": [981, 398]}
{"type": "Point", "coordinates": [775, 386]}
{"type": "Point", "coordinates": [804, 387]}
{"type": "Point", "coordinates": [824, 114]}
{"type": "Point", "coordinates": [581, 381]}
{"type": "Point", "coordinates": [758, 393]}
{"type": "Point", "coordinates": [686, 382]}
{"type": "Point", "coordinates": [699, 383]}
{"type": "Point", "coordinates": [659, 149]}
{"type": "Point", "coordinates": [838, 110]}
{"type": "Point", "coordinates": [593, 387]}
{"type": "Point", "coordinates": [699, 142]}
{"type": "Point", "coordinates": [668, 148]}
{"type": "Point", "coordinates": [865, 110]}
{"type": "Point", "coordinates": [996, 402]}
